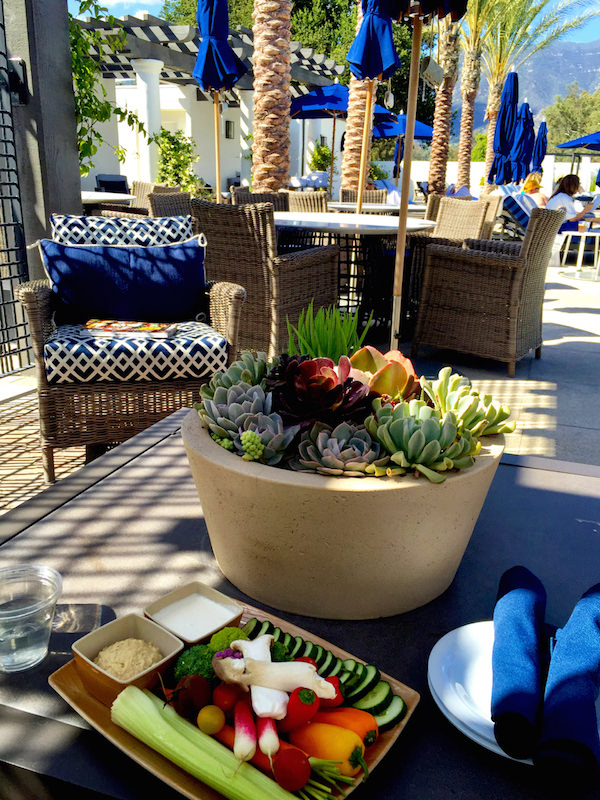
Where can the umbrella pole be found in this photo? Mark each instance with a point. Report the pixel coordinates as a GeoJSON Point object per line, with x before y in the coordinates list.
{"type": "Point", "coordinates": [411, 115]}
{"type": "Point", "coordinates": [364, 148]}
{"type": "Point", "coordinates": [397, 163]}
{"type": "Point", "coordinates": [217, 148]}
{"type": "Point", "coordinates": [331, 165]}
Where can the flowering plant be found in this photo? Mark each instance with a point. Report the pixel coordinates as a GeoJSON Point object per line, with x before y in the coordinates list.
{"type": "Point", "coordinates": [367, 415]}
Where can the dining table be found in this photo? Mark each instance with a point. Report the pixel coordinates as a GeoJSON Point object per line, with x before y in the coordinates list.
{"type": "Point", "coordinates": [414, 209]}
{"type": "Point", "coordinates": [93, 198]}
{"type": "Point", "coordinates": [367, 254]}
{"type": "Point", "coordinates": [128, 528]}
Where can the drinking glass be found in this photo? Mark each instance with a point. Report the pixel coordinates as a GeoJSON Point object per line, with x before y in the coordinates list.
{"type": "Point", "coordinates": [28, 595]}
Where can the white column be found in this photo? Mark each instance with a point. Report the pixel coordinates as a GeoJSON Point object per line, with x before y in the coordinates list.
{"type": "Point", "coordinates": [246, 128]}
{"type": "Point", "coordinates": [147, 78]}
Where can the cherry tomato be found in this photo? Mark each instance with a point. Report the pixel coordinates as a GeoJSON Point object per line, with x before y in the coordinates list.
{"type": "Point", "coordinates": [291, 769]}
{"type": "Point", "coordinates": [190, 695]}
{"type": "Point", "coordinates": [307, 660]}
{"type": "Point", "coordinates": [226, 695]}
{"type": "Point", "coordinates": [210, 719]}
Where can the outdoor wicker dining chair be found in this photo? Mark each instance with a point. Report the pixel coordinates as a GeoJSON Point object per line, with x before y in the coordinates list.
{"type": "Point", "coordinates": [307, 201]}
{"type": "Point", "coordinates": [170, 205]}
{"type": "Point", "coordinates": [241, 196]}
{"type": "Point", "coordinates": [486, 297]}
{"type": "Point", "coordinates": [242, 246]}
{"type": "Point", "coordinates": [140, 206]}
{"type": "Point", "coordinates": [369, 195]}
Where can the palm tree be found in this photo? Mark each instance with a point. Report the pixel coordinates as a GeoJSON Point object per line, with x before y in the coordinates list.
{"type": "Point", "coordinates": [272, 73]}
{"type": "Point", "coordinates": [521, 29]}
{"type": "Point", "coordinates": [474, 32]}
{"type": "Point", "coordinates": [449, 45]}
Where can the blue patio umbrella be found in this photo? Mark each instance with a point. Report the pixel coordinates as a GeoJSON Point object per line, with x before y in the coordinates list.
{"type": "Point", "coordinates": [522, 147]}
{"type": "Point", "coordinates": [217, 66]}
{"type": "Point", "coordinates": [387, 130]}
{"type": "Point", "coordinates": [372, 55]}
{"type": "Point", "coordinates": [501, 171]}
{"type": "Point", "coordinates": [539, 148]}
{"type": "Point", "coordinates": [589, 142]}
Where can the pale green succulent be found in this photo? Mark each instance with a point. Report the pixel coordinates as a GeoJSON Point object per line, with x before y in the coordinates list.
{"type": "Point", "coordinates": [264, 438]}
{"type": "Point", "coordinates": [228, 410]}
{"type": "Point", "coordinates": [250, 368]}
{"type": "Point", "coordinates": [344, 450]}
{"type": "Point", "coordinates": [479, 415]}
{"type": "Point", "coordinates": [421, 442]}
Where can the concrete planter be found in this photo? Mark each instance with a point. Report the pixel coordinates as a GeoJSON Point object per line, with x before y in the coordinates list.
{"type": "Point", "coordinates": [340, 548]}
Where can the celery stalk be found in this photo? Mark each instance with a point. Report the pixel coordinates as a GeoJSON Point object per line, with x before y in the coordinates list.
{"type": "Point", "coordinates": [137, 712]}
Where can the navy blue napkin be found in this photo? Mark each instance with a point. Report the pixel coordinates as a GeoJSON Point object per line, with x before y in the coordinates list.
{"type": "Point", "coordinates": [520, 645]}
{"type": "Point", "coordinates": [569, 747]}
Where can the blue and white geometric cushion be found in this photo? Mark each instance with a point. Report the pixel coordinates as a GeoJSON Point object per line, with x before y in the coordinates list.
{"type": "Point", "coordinates": [75, 355]}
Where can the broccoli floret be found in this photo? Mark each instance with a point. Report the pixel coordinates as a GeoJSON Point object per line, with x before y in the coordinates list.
{"type": "Point", "coordinates": [279, 652]}
{"type": "Point", "coordinates": [195, 660]}
{"type": "Point", "coordinates": [223, 638]}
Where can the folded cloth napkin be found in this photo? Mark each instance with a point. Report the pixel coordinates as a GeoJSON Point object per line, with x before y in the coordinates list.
{"type": "Point", "coordinates": [517, 661]}
{"type": "Point", "coordinates": [569, 746]}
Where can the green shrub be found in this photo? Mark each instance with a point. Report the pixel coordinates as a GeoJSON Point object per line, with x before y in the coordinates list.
{"type": "Point", "coordinates": [326, 334]}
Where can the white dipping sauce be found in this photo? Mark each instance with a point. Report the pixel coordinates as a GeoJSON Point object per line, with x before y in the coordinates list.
{"type": "Point", "coordinates": [194, 616]}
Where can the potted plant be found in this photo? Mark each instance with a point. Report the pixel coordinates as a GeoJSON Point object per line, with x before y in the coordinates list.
{"type": "Point", "coordinates": [346, 490]}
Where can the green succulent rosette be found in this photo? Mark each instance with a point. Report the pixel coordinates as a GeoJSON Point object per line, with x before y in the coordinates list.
{"type": "Point", "coordinates": [229, 409]}
{"type": "Point", "coordinates": [264, 439]}
{"type": "Point", "coordinates": [344, 450]}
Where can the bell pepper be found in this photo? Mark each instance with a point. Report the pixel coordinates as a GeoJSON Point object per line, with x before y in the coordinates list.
{"type": "Point", "coordinates": [361, 722]}
{"type": "Point", "coordinates": [302, 707]}
{"type": "Point", "coordinates": [330, 702]}
{"type": "Point", "coordinates": [333, 743]}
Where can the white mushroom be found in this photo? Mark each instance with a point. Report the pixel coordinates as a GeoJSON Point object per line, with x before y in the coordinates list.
{"type": "Point", "coordinates": [266, 702]}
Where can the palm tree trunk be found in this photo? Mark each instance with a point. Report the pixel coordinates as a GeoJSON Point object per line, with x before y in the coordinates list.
{"type": "Point", "coordinates": [491, 114]}
{"type": "Point", "coordinates": [272, 74]}
{"type": "Point", "coordinates": [442, 119]}
{"type": "Point", "coordinates": [470, 78]}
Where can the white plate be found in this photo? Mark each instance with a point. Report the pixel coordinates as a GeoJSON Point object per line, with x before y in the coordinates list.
{"type": "Point", "coordinates": [459, 674]}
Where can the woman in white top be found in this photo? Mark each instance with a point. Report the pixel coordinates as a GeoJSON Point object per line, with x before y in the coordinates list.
{"type": "Point", "coordinates": [563, 197]}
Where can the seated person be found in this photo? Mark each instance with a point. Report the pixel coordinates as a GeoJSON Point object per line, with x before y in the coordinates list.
{"type": "Point", "coordinates": [532, 188]}
{"type": "Point", "coordinates": [563, 197]}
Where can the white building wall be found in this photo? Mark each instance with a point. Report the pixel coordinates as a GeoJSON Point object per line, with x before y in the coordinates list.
{"type": "Point", "coordinates": [105, 160]}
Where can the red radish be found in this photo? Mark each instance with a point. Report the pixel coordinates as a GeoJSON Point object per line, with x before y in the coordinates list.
{"type": "Point", "coordinates": [291, 769]}
{"type": "Point", "coordinates": [268, 740]}
{"type": "Point", "coordinates": [244, 746]}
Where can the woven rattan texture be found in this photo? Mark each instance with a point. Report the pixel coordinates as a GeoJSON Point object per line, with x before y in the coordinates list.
{"type": "Point", "coordinates": [307, 201]}
{"type": "Point", "coordinates": [242, 246]}
{"type": "Point", "coordinates": [140, 205]}
{"type": "Point", "coordinates": [486, 298]}
{"type": "Point", "coordinates": [241, 196]}
{"type": "Point", "coordinates": [170, 205]}
{"type": "Point", "coordinates": [369, 195]}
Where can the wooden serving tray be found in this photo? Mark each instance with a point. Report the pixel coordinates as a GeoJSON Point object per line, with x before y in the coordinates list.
{"type": "Point", "coordinates": [66, 682]}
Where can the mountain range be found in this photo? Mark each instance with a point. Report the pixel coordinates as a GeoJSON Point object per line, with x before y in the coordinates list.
{"type": "Point", "coordinates": [546, 75]}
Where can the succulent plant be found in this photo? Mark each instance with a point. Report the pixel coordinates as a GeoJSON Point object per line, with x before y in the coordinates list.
{"type": "Point", "coordinates": [316, 389]}
{"type": "Point", "coordinates": [228, 410]}
{"type": "Point", "coordinates": [390, 374]}
{"type": "Point", "coordinates": [344, 450]}
{"type": "Point", "coordinates": [421, 442]}
{"type": "Point", "coordinates": [250, 368]}
{"type": "Point", "coordinates": [479, 415]}
{"type": "Point", "coordinates": [264, 438]}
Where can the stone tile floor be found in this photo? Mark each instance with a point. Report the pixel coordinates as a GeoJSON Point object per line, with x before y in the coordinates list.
{"type": "Point", "coordinates": [554, 399]}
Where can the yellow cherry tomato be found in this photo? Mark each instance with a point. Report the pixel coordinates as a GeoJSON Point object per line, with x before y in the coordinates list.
{"type": "Point", "coordinates": [210, 719]}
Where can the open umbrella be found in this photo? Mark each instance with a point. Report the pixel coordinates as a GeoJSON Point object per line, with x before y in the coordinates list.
{"type": "Point", "coordinates": [522, 147]}
{"type": "Point", "coordinates": [397, 130]}
{"type": "Point", "coordinates": [415, 12]}
{"type": "Point", "coordinates": [372, 55]}
{"type": "Point", "coordinates": [501, 171]}
{"type": "Point", "coordinates": [330, 101]}
{"type": "Point", "coordinates": [539, 148]}
{"type": "Point", "coordinates": [589, 142]}
{"type": "Point", "coordinates": [217, 66]}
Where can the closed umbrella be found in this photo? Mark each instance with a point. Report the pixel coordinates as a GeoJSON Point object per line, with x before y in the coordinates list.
{"type": "Point", "coordinates": [522, 147]}
{"type": "Point", "coordinates": [217, 66]}
{"type": "Point", "coordinates": [539, 148]}
{"type": "Point", "coordinates": [372, 55]}
{"type": "Point", "coordinates": [415, 12]}
{"type": "Point", "coordinates": [500, 171]}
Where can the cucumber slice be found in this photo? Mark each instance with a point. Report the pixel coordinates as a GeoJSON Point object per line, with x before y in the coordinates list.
{"type": "Point", "coordinates": [287, 640]}
{"type": "Point", "coordinates": [296, 646]}
{"type": "Point", "coordinates": [309, 649]}
{"type": "Point", "coordinates": [276, 633]}
{"type": "Point", "coordinates": [369, 679]}
{"type": "Point", "coordinates": [319, 655]}
{"type": "Point", "coordinates": [355, 677]}
{"type": "Point", "coordinates": [266, 627]}
{"type": "Point", "coordinates": [327, 663]}
{"type": "Point", "coordinates": [377, 700]}
{"type": "Point", "coordinates": [392, 714]}
{"type": "Point", "coordinates": [344, 676]}
{"type": "Point", "coordinates": [251, 627]}
{"type": "Point", "coordinates": [336, 667]}
{"type": "Point", "coordinates": [350, 664]}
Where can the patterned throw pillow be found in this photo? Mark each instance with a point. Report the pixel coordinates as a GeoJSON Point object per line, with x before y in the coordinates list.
{"type": "Point", "coordinates": [143, 232]}
{"type": "Point", "coordinates": [153, 284]}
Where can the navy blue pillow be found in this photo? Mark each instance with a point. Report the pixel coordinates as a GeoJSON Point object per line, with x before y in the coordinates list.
{"type": "Point", "coordinates": [158, 284]}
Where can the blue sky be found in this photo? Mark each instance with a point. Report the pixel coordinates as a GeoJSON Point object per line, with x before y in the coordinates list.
{"type": "Point", "coordinates": [589, 33]}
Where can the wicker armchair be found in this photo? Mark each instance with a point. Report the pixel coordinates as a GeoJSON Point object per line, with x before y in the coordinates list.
{"type": "Point", "coordinates": [455, 222]}
{"type": "Point", "coordinates": [241, 196]}
{"type": "Point", "coordinates": [170, 205]}
{"type": "Point", "coordinates": [486, 298]}
{"type": "Point", "coordinates": [242, 246]}
{"type": "Point", "coordinates": [369, 195]}
{"type": "Point", "coordinates": [100, 413]}
{"type": "Point", "coordinates": [433, 204]}
{"type": "Point", "coordinates": [140, 206]}
{"type": "Point", "coordinates": [307, 201]}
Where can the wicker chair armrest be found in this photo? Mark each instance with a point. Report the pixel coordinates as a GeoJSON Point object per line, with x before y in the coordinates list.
{"type": "Point", "coordinates": [493, 246]}
{"type": "Point", "coordinates": [115, 210]}
{"type": "Point", "coordinates": [37, 300]}
{"type": "Point", "coordinates": [225, 307]}
{"type": "Point", "coordinates": [308, 258]}
{"type": "Point", "coordinates": [457, 256]}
